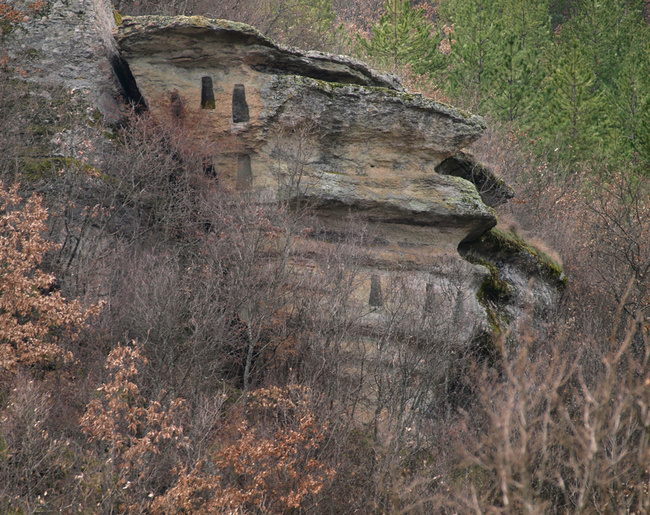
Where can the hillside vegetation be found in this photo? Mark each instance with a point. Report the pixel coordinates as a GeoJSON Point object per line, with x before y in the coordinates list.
{"type": "Point", "coordinates": [164, 350]}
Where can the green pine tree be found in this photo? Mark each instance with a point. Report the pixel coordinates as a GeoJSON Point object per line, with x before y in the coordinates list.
{"type": "Point", "coordinates": [642, 138]}
{"type": "Point", "coordinates": [610, 35]}
{"type": "Point", "coordinates": [630, 101]}
{"type": "Point", "coordinates": [529, 22]}
{"type": "Point", "coordinates": [404, 37]}
{"type": "Point", "coordinates": [511, 80]}
{"type": "Point", "coordinates": [600, 26]}
{"type": "Point", "coordinates": [575, 109]}
{"type": "Point", "coordinates": [475, 31]}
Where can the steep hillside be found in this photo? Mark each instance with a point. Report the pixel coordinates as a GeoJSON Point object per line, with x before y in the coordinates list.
{"type": "Point", "coordinates": [291, 267]}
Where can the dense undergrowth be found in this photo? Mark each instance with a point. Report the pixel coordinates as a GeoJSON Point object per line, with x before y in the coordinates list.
{"type": "Point", "coordinates": [182, 359]}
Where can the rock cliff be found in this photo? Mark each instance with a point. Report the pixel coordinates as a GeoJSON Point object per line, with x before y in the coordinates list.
{"type": "Point", "coordinates": [328, 131]}
{"type": "Point", "coordinates": [70, 43]}
{"type": "Point", "coordinates": [372, 147]}
{"type": "Point", "coordinates": [319, 130]}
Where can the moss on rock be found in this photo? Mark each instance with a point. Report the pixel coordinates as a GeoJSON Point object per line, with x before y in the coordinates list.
{"type": "Point", "coordinates": [508, 245]}
{"type": "Point", "coordinates": [118, 17]}
{"type": "Point", "coordinates": [35, 169]}
{"type": "Point", "coordinates": [494, 288]}
{"type": "Point", "coordinates": [511, 243]}
{"type": "Point", "coordinates": [492, 294]}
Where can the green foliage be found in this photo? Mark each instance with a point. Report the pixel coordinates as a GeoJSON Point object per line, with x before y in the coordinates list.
{"type": "Point", "coordinates": [575, 107]}
{"type": "Point", "coordinates": [600, 28]}
{"type": "Point", "coordinates": [499, 50]}
{"type": "Point", "coordinates": [630, 101]}
{"type": "Point", "coordinates": [530, 22]}
{"type": "Point", "coordinates": [514, 75]}
{"type": "Point", "coordinates": [42, 168]}
{"type": "Point", "coordinates": [472, 44]}
{"type": "Point", "coordinates": [404, 37]}
{"type": "Point", "coordinates": [117, 16]}
{"type": "Point", "coordinates": [560, 11]}
{"type": "Point", "coordinates": [519, 58]}
{"type": "Point", "coordinates": [579, 89]}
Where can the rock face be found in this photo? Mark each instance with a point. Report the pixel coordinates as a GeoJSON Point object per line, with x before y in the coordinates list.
{"type": "Point", "coordinates": [195, 41]}
{"type": "Point", "coordinates": [323, 130]}
{"type": "Point", "coordinates": [371, 147]}
{"type": "Point", "coordinates": [327, 130]}
{"type": "Point", "coordinates": [318, 129]}
{"type": "Point", "coordinates": [70, 43]}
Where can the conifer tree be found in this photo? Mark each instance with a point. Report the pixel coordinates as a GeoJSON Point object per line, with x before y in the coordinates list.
{"type": "Point", "coordinates": [403, 36]}
{"type": "Point", "coordinates": [601, 28]}
{"type": "Point", "coordinates": [629, 99]}
{"type": "Point", "coordinates": [519, 56]}
{"type": "Point", "coordinates": [642, 137]}
{"type": "Point", "coordinates": [513, 80]}
{"type": "Point", "coordinates": [472, 41]}
{"type": "Point", "coordinates": [576, 109]}
{"type": "Point", "coordinates": [499, 50]}
{"type": "Point", "coordinates": [529, 21]}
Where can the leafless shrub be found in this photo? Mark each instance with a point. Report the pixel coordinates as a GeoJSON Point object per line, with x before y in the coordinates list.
{"type": "Point", "coordinates": [557, 440]}
{"type": "Point", "coordinates": [293, 150]}
{"type": "Point", "coordinates": [37, 466]}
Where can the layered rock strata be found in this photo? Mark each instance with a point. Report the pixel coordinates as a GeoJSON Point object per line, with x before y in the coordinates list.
{"type": "Point", "coordinates": [328, 131]}
{"type": "Point", "coordinates": [366, 144]}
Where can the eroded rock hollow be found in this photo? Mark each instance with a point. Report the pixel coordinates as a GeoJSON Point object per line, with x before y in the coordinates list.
{"type": "Point", "coordinates": [328, 131]}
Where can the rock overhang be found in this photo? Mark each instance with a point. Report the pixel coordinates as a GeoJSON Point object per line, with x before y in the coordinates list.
{"type": "Point", "coordinates": [169, 35]}
{"type": "Point", "coordinates": [373, 146]}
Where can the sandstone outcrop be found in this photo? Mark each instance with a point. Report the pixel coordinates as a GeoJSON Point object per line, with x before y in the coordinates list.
{"type": "Point", "coordinates": [328, 131]}
{"type": "Point", "coordinates": [371, 146]}
{"type": "Point", "coordinates": [318, 129]}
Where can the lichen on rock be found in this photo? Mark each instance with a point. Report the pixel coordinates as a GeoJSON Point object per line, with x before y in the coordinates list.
{"type": "Point", "coordinates": [329, 132]}
{"type": "Point", "coordinates": [70, 44]}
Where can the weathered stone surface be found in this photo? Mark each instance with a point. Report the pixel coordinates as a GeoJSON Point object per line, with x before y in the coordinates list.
{"type": "Point", "coordinates": [444, 290]}
{"type": "Point", "coordinates": [493, 190]}
{"type": "Point", "coordinates": [70, 43]}
{"type": "Point", "coordinates": [433, 201]}
{"type": "Point", "coordinates": [534, 280]}
{"type": "Point", "coordinates": [198, 42]}
{"type": "Point", "coordinates": [410, 126]}
{"type": "Point", "coordinates": [308, 127]}
{"type": "Point", "coordinates": [327, 131]}
{"type": "Point", "coordinates": [366, 144]}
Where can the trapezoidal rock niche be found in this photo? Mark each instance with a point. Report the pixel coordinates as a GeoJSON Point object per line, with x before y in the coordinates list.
{"type": "Point", "coordinates": [329, 131]}
{"type": "Point", "coordinates": [359, 141]}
